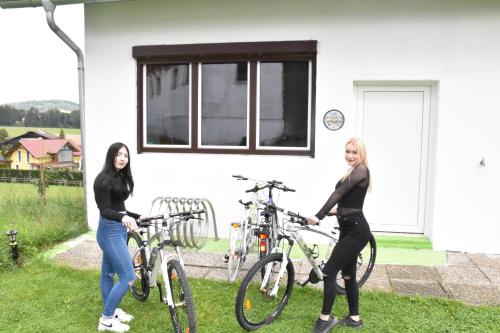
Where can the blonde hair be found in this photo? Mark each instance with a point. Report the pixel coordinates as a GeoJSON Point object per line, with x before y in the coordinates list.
{"type": "Point", "coordinates": [361, 149]}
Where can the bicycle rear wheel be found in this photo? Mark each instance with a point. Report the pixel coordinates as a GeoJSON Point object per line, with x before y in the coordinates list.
{"type": "Point", "coordinates": [182, 312]}
{"type": "Point", "coordinates": [140, 288]}
{"type": "Point", "coordinates": [364, 267]}
{"type": "Point", "coordinates": [259, 303]}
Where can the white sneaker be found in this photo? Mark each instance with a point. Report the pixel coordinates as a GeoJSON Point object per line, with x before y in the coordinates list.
{"type": "Point", "coordinates": [112, 325]}
{"type": "Point", "coordinates": [123, 316]}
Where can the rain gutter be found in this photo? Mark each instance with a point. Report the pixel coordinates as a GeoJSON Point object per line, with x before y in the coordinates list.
{"type": "Point", "coordinates": [50, 8]}
{"type": "Point", "coordinates": [38, 3]}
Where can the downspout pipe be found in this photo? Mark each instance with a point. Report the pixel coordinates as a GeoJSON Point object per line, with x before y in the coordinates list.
{"type": "Point", "coordinates": [50, 8]}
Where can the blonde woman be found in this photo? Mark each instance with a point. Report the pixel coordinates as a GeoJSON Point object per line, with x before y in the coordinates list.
{"type": "Point", "coordinates": [349, 196]}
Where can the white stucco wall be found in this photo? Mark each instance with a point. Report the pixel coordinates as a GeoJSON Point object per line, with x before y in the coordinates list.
{"type": "Point", "coordinates": [451, 42]}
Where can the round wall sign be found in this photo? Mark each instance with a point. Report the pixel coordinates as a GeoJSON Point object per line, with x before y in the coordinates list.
{"type": "Point", "coordinates": [333, 120]}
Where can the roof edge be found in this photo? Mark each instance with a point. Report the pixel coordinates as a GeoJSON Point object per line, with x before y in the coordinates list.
{"type": "Point", "coordinates": [5, 4]}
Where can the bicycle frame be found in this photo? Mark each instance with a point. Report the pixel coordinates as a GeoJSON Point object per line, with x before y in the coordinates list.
{"type": "Point", "coordinates": [161, 259]}
{"type": "Point", "coordinates": [292, 236]}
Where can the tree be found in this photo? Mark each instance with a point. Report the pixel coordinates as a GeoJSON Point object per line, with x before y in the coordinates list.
{"type": "Point", "coordinates": [61, 134]}
{"type": "Point", "coordinates": [32, 117]}
{"type": "Point", "coordinates": [42, 183]}
{"type": "Point", "coordinates": [10, 116]}
{"type": "Point", "coordinates": [3, 134]}
{"type": "Point", "coordinates": [74, 119]}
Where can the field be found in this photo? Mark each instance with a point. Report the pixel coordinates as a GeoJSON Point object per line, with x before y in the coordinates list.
{"type": "Point", "coordinates": [39, 226]}
{"type": "Point", "coordinates": [15, 131]}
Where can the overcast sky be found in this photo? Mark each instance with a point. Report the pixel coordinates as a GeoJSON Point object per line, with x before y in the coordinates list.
{"type": "Point", "coordinates": [34, 62]}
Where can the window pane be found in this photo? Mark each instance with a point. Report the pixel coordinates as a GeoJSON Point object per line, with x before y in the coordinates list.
{"type": "Point", "coordinates": [65, 155]}
{"type": "Point", "coordinates": [224, 104]}
{"type": "Point", "coordinates": [167, 104]}
{"type": "Point", "coordinates": [283, 104]}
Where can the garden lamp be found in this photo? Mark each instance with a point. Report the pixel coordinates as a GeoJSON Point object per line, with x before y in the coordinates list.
{"type": "Point", "coordinates": [13, 244]}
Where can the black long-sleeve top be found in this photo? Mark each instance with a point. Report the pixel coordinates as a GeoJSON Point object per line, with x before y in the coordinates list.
{"type": "Point", "coordinates": [348, 194]}
{"type": "Point", "coordinates": [110, 193]}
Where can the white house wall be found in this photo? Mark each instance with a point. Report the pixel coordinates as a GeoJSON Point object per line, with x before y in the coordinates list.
{"type": "Point", "coordinates": [453, 45]}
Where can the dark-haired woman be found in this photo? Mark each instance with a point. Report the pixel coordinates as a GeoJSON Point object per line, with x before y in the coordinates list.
{"type": "Point", "coordinates": [112, 187]}
{"type": "Point", "coordinates": [349, 196]}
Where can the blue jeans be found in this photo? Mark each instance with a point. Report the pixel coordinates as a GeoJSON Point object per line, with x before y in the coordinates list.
{"type": "Point", "coordinates": [112, 239]}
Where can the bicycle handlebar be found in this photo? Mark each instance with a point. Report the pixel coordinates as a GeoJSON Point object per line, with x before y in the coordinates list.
{"type": "Point", "coordinates": [146, 222]}
{"type": "Point", "coordinates": [296, 218]}
{"type": "Point", "coordinates": [271, 184]}
{"type": "Point", "coordinates": [299, 218]}
{"type": "Point", "coordinates": [187, 215]}
{"type": "Point", "coordinates": [150, 218]}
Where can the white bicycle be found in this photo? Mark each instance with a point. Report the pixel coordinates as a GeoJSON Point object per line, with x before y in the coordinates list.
{"type": "Point", "coordinates": [243, 235]}
{"type": "Point", "coordinates": [151, 260]}
{"type": "Point", "coordinates": [267, 287]}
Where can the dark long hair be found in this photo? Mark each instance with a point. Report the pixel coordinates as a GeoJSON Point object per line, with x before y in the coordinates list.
{"type": "Point", "coordinates": [125, 173]}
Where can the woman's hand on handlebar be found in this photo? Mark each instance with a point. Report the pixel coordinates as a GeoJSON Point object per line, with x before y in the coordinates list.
{"type": "Point", "coordinates": [129, 222]}
{"type": "Point", "coordinates": [313, 220]}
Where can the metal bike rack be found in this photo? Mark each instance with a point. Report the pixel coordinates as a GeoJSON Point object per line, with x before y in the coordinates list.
{"type": "Point", "coordinates": [192, 233]}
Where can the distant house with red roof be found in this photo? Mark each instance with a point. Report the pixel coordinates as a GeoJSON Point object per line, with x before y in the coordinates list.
{"type": "Point", "coordinates": [4, 163]}
{"type": "Point", "coordinates": [28, 154]}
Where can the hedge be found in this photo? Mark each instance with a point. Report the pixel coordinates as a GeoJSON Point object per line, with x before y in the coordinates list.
{"type": "Point", "coordinates": [57, 176]}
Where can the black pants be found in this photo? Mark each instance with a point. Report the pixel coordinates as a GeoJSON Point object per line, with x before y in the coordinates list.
{"type": "Point", "coordinates": [354, 235]}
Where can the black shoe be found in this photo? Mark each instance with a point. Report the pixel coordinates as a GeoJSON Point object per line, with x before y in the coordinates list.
{"type": "Point", "coordinates": [322, 326]}
{"type": "Point", "coordinates": [226, 258]}
{"type": "Point", "coordinates": [348, 321]}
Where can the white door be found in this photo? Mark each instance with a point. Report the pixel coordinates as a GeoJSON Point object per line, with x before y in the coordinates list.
{"type": "Point", "coordinates": [393, 121]}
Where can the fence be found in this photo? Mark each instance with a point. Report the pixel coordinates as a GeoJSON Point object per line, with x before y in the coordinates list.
{"type": "Point", "coordinates": [62, 182]}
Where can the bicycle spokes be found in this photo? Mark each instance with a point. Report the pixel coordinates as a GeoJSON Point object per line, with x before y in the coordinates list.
{"type": "Point", "coordinates": [261, 300]}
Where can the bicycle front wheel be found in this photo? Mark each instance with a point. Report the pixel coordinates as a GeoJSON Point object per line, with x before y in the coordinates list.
{"type": "Point", "coordinates": [259, 302]}
{"type": "Point", "coordinates": [140, 288]}
{"type": "Point", "coordinates": [182, 310]}
{"type": "Point", "coordinates": [364, 267]}
{"type": "Point", "coordinates": [236, 249]}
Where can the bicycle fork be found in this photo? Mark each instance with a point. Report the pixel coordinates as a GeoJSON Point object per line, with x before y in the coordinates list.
{"type": "Point", "coordinates": [168, 299]}
{"type": "Point", "coordinates": [269, 268]}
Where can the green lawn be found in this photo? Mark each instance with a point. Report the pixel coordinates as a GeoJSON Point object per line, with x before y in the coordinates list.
{"type": "Point", "coordinates": [15, 131]}
{"type": "Point", "coordinates": [44, 297]}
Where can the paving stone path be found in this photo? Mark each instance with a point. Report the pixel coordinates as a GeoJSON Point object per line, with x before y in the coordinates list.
{"type": "Point", "coordinates": [471, 278]}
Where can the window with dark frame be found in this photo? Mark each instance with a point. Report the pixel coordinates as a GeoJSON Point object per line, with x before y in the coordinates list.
{"type": "Point", "coordinates": [243, 98]}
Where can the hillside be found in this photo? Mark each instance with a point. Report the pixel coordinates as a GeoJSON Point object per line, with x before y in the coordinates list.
{"type": "Point", "coordinates": [45, 105]}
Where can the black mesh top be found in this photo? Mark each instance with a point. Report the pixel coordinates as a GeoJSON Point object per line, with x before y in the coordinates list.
{"type": "Point", "coordinates": [110, 194]}
{"type": "Point", "coordinates": [349, 194]}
